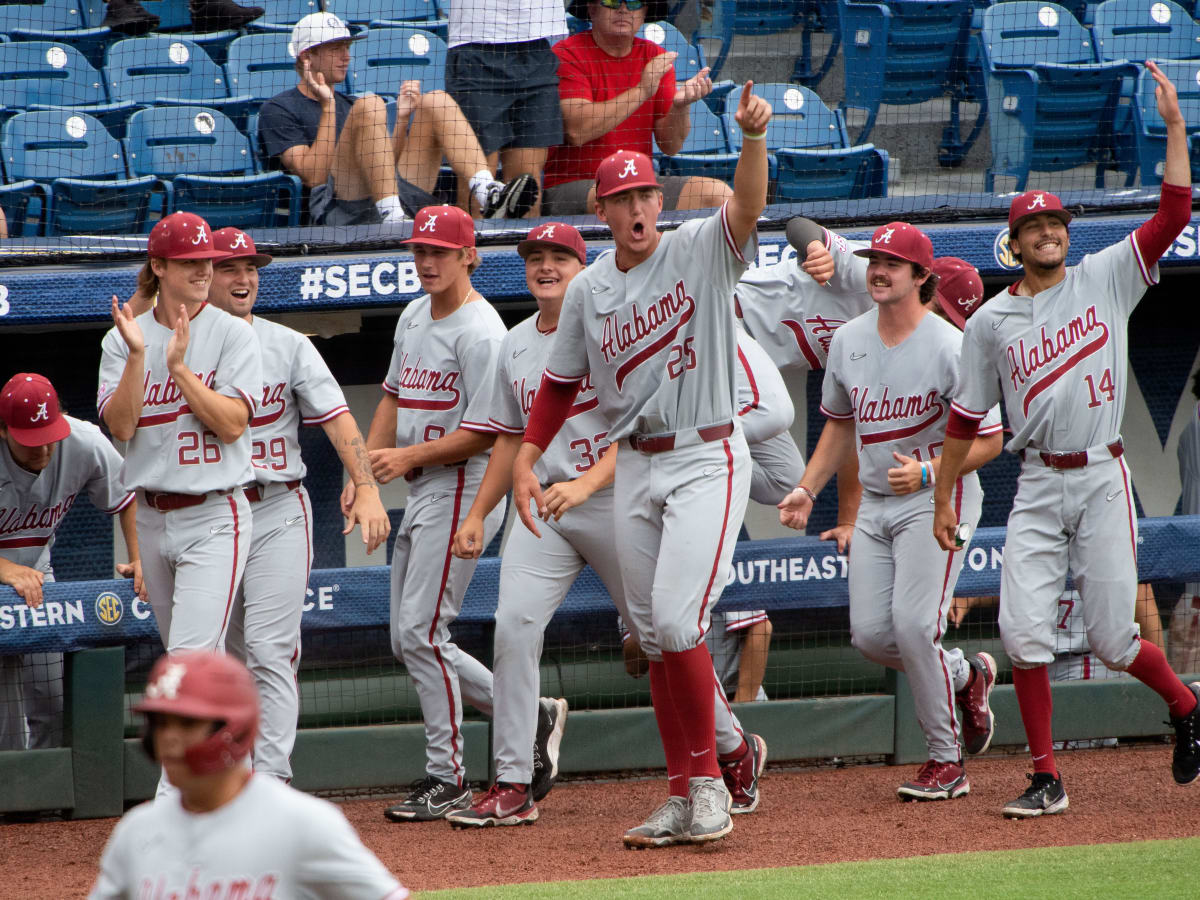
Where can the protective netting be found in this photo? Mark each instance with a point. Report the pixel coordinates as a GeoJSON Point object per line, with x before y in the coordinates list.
{"type": "Point", "coordinates": [117, 112]}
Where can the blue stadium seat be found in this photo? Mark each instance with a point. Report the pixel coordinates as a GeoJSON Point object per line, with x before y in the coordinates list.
{"type": "Point", "coordinates": [166, 70]}
{"type": "Point", "coordinates": [213, 168]}
{"type": "Point", "coordinates": [766, 16]}
{"type": "Point", "coordinates": [903, 52]}
{"type": "Point", "coordinates": [705, 151]}
{"type": "Point", "coordinates": [281, 15]}
{"type": "Point", "coordinates": [175, 17]}
{"type": "Point", "coordinates": [74, 22]}
{"type": "Point", "coordinates": [1149, 130]}
{"type": "Point", "coordinates": [811, 154]}
{"type": "Point", "coordinates": [690, 59]}
{"type": "Point", "coordinates": [1138, 30]}
{"type": "Point", "coordinates": [390, 56]}
{"type": "Point", "coordinates": [260, 66]}
{"type": "Point", "coordinates": [1051, 106]}
{"type": "Point", "coordinates": [816, 16]}
{"type": "Point", "coordinates": [25, 205]}
{"type": "Point", "coordinates": [718, 26]}
{"type": "Point", "coordinates": [52, 147]}
{"type": "Point", "coordinates": [424, 14]}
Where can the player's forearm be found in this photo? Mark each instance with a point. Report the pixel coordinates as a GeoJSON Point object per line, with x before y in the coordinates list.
{"type": "Point", "coordinates": [497, 479]}
{"type": "Point", "coordinates": [226, 417]}
{"type": "Point", "coordinates": [350, 447]}
{"type": "Point", "coordinates": [585, 120]}
{"type": "Point", "coordinates": [983, 450]}
{"type": "Point", "coordinates": [458, 445]}
{"type": "Point", "coordinates": [601, 475]}
{"type": "Point", "coordinates": [749, 190]}
{"type": "Point", "coordinates": [1177, 169]}
{"type": "Point", "coordinates": [835, 445]}
{"type": "Point", "coordinates": [849, 491]}
{"type": "Point", "coordinates": [950, 466]}
{"type": "Point", "coordinates": [128, 519]}
{"type": "Point", "coordinates": [672, 130]}
{"type": "Point", "coordinates": [382, 433]}
{"type": "Point", "coordinates": [124, 407]}
{"type": "Point", "coordinates": [753, 666]}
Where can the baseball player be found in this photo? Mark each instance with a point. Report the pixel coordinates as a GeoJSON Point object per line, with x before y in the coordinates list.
{"type": "Point", "coordinates": [179, 383]}
{"type": "Point", "coordinates": [431, 428]}
{"type": "Point", "coordinates": [1184, 645]}
{"type": "Point", "coordinates": [46, 459]}
{"type": "Point", "coordinates": [1054, 346]}
{"type": "Point", "coordinates": [298, 389]}
{"type": "Point", "coordinates": [653, 324]}
{"type": "Point", "coordinates": [886, 392]}
{"type": "Point", "coordinates": [229, 832]}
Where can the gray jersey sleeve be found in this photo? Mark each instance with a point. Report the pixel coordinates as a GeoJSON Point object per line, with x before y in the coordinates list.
{"type": "Point", "coordinates": [764, 405]}
{"type": "Point", "coordinates": [568, 360]}
{"type": "Point", "coordinates": [317, 392]}
{"type": "Point", "coordinates": [479, 379]}
{"type": "Point", "coordinates": [104, 483]}
{"type": "Point", "coordinates": [978, 383]}
{"type": "Point", "coordinates": [113, 354]}
{"type": "Point", "coordinates": [835, 397]}
{"type": "Point", "coordinates": [507, 414]}
{"type": "Point", "coordinates": [239, 371]}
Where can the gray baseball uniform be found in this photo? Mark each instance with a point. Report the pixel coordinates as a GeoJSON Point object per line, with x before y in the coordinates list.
{"type": "Point", "coordinates": [901, 581]}
{"type": "Point", "coordinates": [1059, 361]}
{"type": "Point", "coordinates": [264, 630]}
{"type": "Point", "coordinates": [765, 410]}
{"type": "Point", "coordinates": [660, 344]}
{"type": "Point", "coordinates": [441, 373]}
{"type": "Point", "coordinates": [792, 316]}
{"type": "Point", "coordinates": [725, 645]}
{"type": "Point", "coordinates": [268, 841]}
{"type": "Point", "coordinates": [192, 555]}
{"type": "Point", "coordinates": [32, 506]}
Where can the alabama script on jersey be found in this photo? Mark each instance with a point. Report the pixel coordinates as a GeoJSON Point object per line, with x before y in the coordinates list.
{"type": "Point", "coordinates": [898, 397]}
{"type": "Point", "coordinates": [792, 316]}
{"type": "Point", "coordinates": [1058, 359]}
{"type": "Point", "coordinates": [442, 370]}
{"type": "Point", "coordinates": [172, 449]}
{"type": "Point", "coordinates": [582, 438]}
{"type": "Point", "coordinates": [32, 505]}
{"type": "Point", "coordinates": [298, 389]}
{"type": "Point", "coordinates": [658, 340]}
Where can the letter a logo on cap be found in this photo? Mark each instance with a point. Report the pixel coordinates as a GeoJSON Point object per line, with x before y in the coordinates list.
{"type": "Point", "coordinates": [430, 224]}
{"type": "Point", "coordinates": [1038, 200]}
{"type": "Point", "coordinates": [239, 241]}
{"type": "Point", "coordinates": [167, 684]}
{"type": "Point", "coordinates": [42, 414]}
{"type": "Point", "coordinates": [886, 237]}
{"type": "Point", "coordinates": [201, 235]}
{"type": "Point", "coordinates": [630, 169]}
{"type": "Point", "coordinates": [547, 233]}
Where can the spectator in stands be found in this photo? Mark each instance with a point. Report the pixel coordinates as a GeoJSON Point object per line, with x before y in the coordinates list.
{"type": "Point", "coordinates": [341, 149]}
{"type": "Point", "coordinates": [1184, 644]}
{"type": "Point", "coordinates": [617, 91]}
{"type": "Point", "coordinates": [131, 18]}
{"type": "Point", "coordinates": [46, 460]}
{"type": "Point", "coordinates": [503, 75]}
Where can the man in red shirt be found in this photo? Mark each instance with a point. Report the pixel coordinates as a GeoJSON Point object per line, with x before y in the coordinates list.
{"type": "Point", "coordinates": [617, 90]}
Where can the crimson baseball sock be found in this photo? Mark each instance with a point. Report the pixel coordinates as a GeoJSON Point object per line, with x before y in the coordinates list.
{"type": "Point", "coordinates": [736, 754]}
{"type": "Point", "coordinates": [670, 730]}
{"type": "Point", "coordinates": [1033, 697]}
{"type": "Point", "coordinates": [1150, 667]}
{"type": "Point", "coordinates": [689, 675]}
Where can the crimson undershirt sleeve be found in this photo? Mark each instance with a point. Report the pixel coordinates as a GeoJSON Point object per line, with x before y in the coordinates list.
{"type": "Point", "coordinates": [960, 427]}
{"type": "Point", "coordinates": [550, 409]}
{"type": "Point", "coordinates": [1154, 236]}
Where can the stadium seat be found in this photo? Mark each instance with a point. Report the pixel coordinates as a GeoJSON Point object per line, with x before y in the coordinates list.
{"type": "Point", "coordinates": [1149, 130]}
{"type": "Point", "coordinates": [281, 15]}
{"type": "Point", "coordinates": [705, 151]}
{"type": "Point", "coordinates": [1051, 106]}
{"type": "Point", "coordinates": [718, 26]}
{"type": "Point", "coordinates": [424, 14]}
{"type": "Point", "coordinates": [260, 66]}
{"type": "Point", "coordinates": [390, 56]}
{"type": "Point", "coordinates": [811, 154]}
{"type": "Point", "coordinates": [212, 167]}
{"type": "Point", "coordinates": [52, 147]}
{"type": "Point", "coordinates": [74, 22]}
{"type": "Point", "coordinates": [175, 18]}
{"type": "Point", "coordinates": [689, 60]}
{"type": "Point", "coordinates": [766, 16]}
{"type": "Point", "coordinates": [903, 52]}
{"type": "Point", "coordinates": [1138, 30]}
{"type": "Point", "coordinates": [817, 16]}
{"type": "Point", "coordinates": [170, 70]}
{"type": "Point", "coordinates": [25, 208]}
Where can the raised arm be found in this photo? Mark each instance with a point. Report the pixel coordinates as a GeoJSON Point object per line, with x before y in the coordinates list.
{"type": "Point", "coordinates": [750, 178]}
{"type": "Point", "coordinates": [313, 162]}
{"type": "Point", "coordinates": [672, 129]}
{"type": "Point", "coordinates": [124, 408]}
{"type": "Point", "coordinates": [1156, 235]}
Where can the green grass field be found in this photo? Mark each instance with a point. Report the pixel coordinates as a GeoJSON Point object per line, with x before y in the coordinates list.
{"type": "Point", "coordinates": [1157, 869]}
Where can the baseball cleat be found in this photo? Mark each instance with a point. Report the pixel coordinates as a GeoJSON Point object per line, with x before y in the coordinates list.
{"type": "Point", "coordinates": [936, 780]}
{"type": "Point", "coordinates": [503, 804]}
{"type": "Point", "coordinates": [741, 775]}
{"type": "Point", "coordinates": [431, 799]}
{"type": "Point", "coordinates": [512, 200]}
{"type": "Point", "coordinates": [1045, 796]}
{"type": "Point", "coordinates": [708, 810]}
{"type": "Point", "coordinates": [665, 826]}
{"type": "Point", "coordinates": [1185, 761]}
{"type": "Point", "coordinates": [977, 720]}
{"type": "Point", "coordinates": [551, 722]}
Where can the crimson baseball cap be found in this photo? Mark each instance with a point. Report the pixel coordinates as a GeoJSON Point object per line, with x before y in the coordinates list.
{"type": "Point", "coordinates": [236, 244]}
{"type": "Point", "coordinates": [553, 234]}
{"type": "Point", "coordinates": [443, 226]}
{"type": "Point", "coordinates": [903, 241]}
{"type": "Point", "coordinates": [959, 288]}
{"type": "Point", "coordinates": [1031, 203]}
{"type": "Point", "coordinates": [182, 235]}
{"type": "Point", "coordinates": [623, 170]}
{"type": "Point", "coordinates": [29, 408]}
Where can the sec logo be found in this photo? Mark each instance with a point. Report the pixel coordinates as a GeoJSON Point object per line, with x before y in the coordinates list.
{"type": "Point", "coordinates": [1003, 253]}
{"type": "Point", "coordinates": [109, 608]}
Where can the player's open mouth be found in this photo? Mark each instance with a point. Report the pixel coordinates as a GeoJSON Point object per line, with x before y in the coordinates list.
{"type": "Point", "coordinates": [548, 281]}
{"type": "Point", "coordinates": [639, 229]}
{"type": "Point", "coordinates": [240, 293]}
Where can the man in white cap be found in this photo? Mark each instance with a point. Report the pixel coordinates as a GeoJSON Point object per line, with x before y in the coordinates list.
{"type": "Point", "coordinates": [341, 148]}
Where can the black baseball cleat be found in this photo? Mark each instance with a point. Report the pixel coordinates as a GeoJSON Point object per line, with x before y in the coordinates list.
{"type": "Point", "coordinates": [512, 200]}
{"type": "Point", "coordinates": [220, 15]}
{"type": "Point", "coordinates": [551, 722]}
{"type": "Point", "coordinates": [431, 799]}
{"type": "Point", "coordinates": [1045, 796]}
{"type": "Point", "coordinates": [129, 17]}
{"type": "Point", "coordinates": [1185, 762]}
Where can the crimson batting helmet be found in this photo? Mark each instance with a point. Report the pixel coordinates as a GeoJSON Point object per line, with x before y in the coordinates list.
{"type": "Point", "coordinates": [205, 685]}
